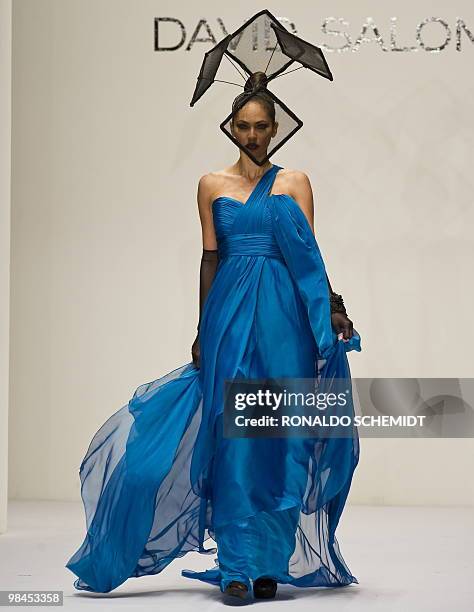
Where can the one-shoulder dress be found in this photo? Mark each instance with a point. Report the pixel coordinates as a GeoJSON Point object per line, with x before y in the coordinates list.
{"type": "Point", "coordinates": [159, 478]}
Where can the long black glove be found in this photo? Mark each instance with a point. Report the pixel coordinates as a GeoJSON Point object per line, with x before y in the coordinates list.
{"type": "Point", "coordinates": [207, 271]}
{"type": "Point", "coordinates": [339, 319]}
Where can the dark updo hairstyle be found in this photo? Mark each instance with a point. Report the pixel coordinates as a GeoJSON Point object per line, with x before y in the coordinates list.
{"type": "Point", "coordinates": [255, 89]}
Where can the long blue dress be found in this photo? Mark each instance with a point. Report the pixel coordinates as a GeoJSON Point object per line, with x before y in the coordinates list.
{"type": "Point", "coordinates": [159, 478]}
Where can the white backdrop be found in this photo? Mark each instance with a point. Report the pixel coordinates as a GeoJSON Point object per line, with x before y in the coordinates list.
{"type": "Point", "coordinates": [106, 238]}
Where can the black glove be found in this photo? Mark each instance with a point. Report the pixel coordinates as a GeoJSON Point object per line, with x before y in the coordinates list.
{"type": "Point", "coordinates": [207, 271]}
{"type": "Point", "coordinates": [339, 319]}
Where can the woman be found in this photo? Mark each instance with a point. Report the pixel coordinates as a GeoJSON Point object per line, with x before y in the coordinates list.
{"type": "Point", "coordinates": [159, 477]}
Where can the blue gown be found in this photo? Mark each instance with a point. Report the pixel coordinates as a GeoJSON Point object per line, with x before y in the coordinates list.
{"type": "Point", "coordinates": [159, 478]}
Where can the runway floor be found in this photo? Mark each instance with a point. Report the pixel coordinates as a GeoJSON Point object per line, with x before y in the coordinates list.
{"type": "Point", "coordinates": [405, 558]}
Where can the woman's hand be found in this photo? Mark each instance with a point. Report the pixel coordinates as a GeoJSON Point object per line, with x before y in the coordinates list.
{"type": "Point", "coordinates": [196, 352]}
{"type": "Point", "coordinates": [342, 324]}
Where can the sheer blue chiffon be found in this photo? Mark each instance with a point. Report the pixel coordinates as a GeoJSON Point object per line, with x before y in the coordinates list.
{"type": "Point", "coordinates": [159, 479]}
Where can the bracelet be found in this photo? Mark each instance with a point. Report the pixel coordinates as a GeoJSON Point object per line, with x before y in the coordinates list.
{"type": "Point", "coordinates": [337, 303]}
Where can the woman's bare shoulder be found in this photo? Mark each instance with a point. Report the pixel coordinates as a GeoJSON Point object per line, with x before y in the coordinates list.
{"type": "Point", "coordinates": [291, 174]}
{"type": "Point", "coordinates": [292, 181]}
{"type": "Point", "coordinates": [211, 182]}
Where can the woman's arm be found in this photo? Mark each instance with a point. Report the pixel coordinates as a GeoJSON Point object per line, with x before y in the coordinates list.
{"type": "Point", "coordinates": [209, 256]}
{"type": "Point", "coordinates": [302, 192]}
{"type": "Point", "coordinates": [204, 199]}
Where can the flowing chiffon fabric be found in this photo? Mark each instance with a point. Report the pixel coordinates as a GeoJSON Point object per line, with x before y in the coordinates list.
{"type": "Point", "coordinates": [159, 478]}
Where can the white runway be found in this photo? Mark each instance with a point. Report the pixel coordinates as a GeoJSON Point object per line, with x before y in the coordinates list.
{"type": "Point", "coordinates": [405, 558]}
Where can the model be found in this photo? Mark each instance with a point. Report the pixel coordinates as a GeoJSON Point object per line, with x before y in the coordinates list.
{"type": "Point", "coordinates": [159, 478]}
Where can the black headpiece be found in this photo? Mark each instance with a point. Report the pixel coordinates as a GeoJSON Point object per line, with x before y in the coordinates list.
{"type": "Point", "coordinates": [264, 49]}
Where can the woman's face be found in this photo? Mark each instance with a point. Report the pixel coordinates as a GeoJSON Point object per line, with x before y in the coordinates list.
{"type": "Point", "coordinates": [253, 128]}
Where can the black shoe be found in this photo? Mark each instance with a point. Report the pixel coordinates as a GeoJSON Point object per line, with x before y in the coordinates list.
{"type": "Point", "coordinates": [236, 589]}
{"type": "Point", "coordinates": [264, 588]}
